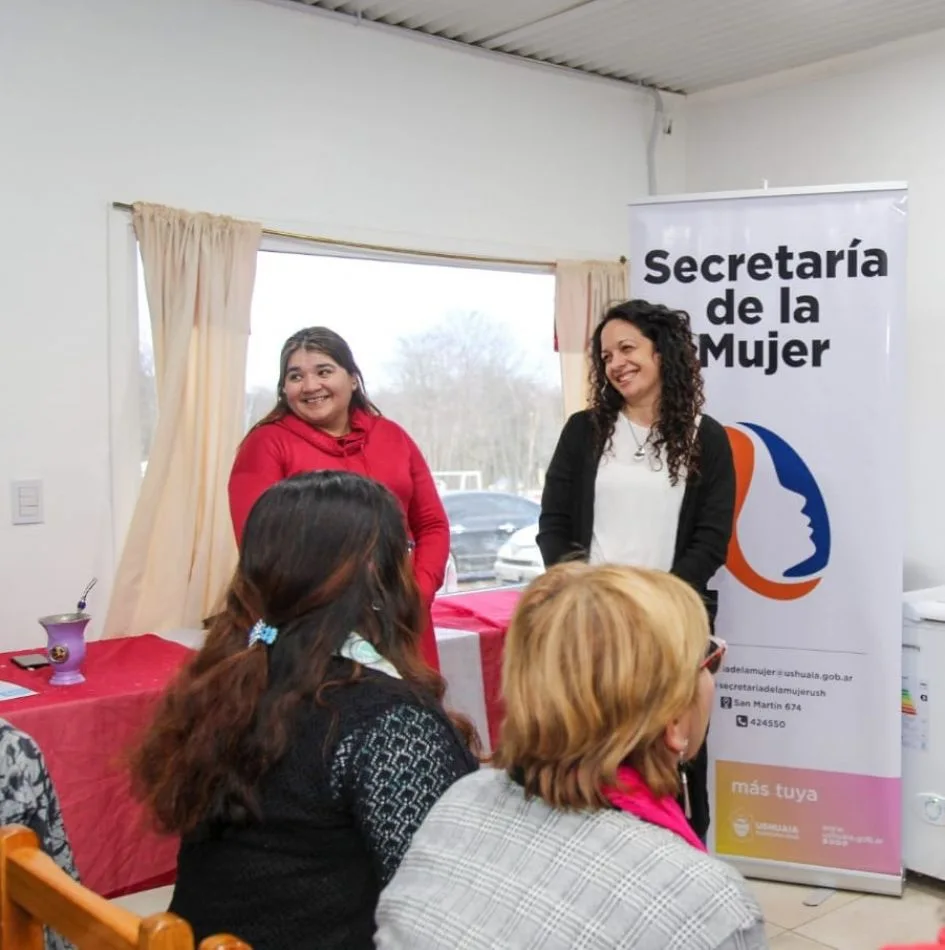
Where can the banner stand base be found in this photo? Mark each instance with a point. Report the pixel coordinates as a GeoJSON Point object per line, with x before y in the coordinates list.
{"type": "Point", "coordinates": [865, 882]}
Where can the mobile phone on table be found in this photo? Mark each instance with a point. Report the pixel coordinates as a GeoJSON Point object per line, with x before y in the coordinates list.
{"type": "Point", "coordinates": [30, 661]}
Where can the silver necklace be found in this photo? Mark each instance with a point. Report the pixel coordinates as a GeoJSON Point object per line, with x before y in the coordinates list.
{"type": "Point", "coordinates": [640, 453]}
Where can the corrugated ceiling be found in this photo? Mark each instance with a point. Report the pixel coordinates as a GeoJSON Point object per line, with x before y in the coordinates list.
{"type": "Point", "coordinates": [679, 45]}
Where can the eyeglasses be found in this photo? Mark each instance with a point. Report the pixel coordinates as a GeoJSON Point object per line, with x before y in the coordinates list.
{"type": "Point", "coordinates": [714, 654]}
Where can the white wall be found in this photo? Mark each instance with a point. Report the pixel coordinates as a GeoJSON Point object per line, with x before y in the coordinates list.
{"type": "Point", "coordinates": [241, 107]}
{"type": "Point", "coordinates": [873, 117]}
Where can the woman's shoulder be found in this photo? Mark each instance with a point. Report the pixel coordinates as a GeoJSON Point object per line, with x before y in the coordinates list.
{"type": "Point", "coordinates": [370, 685]}
{"type": "Point", "coordinates": [711, 432]}
{"type": "Point", "coordinates": [578, 426]}
{"type": "Point", "coordinates": [381, 424]}
{"type": "Point", "coordinates": [710, 424]}
{"type": "Point", "coordinates": [16, 745]}
{"type": "Point", "coordinates": [379, 712]}
{"type": "Point", "coordinates": [358, 703]}
{"type": "Point", "coordinates": [23, 769]}
{"type": "Point", "coordinates": [370, 703]}
{"type": "Point", "coordinates": [703, 885]}
{"type": "Point", "coordinates": [485, 798]}
{"type": "Point", "coordinates": [264, 436]}
{"type": "Point", "coordinates": [647, 863]}
{"type": "Point", "coordinates": [383, 429]}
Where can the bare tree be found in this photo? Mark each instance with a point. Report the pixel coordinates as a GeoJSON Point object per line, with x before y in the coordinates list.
{"type": "Point", "coordinates": [465, 393]}
{"type": "Point", "coordinates": [259, 402]}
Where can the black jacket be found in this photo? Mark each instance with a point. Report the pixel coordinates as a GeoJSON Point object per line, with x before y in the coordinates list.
{"type": "Point", "coordinates": [705, 519]}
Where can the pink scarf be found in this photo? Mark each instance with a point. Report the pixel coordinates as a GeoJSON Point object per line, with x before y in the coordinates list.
{"type": "Point", "coordinates": [640, 801]}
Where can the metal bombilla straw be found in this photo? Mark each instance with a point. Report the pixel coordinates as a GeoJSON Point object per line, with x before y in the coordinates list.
{"type": "Point", "coordinates": [81, 605]}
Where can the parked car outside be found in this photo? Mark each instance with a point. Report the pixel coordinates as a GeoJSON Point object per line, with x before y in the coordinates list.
{"type": "Point", "coordinates": [480, 523]}
{"type": "Point", "coordinates": [519, 561]}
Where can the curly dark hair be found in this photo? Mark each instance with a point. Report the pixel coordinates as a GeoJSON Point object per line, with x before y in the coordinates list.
{"type": "Point", "coordinates": [324, 553]}
{"type": "Point", "coordinates": [681, 396]}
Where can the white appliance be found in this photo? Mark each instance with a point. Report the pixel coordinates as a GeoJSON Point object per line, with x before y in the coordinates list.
{"type": "Point", "coordinates": [923, 732]}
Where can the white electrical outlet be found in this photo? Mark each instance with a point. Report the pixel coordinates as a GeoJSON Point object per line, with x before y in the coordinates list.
{"type": "Point", "coordinates": [26, 500]}
{"type": "Point", "coordinates": [932, 807]}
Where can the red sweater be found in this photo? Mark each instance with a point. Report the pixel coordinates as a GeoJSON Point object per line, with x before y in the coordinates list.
{"type": "Point", "coordinates": [376, 448]}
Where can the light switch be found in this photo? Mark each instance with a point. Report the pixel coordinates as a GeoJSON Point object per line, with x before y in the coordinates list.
{"type": "Point", "coordinates": [27, 502]}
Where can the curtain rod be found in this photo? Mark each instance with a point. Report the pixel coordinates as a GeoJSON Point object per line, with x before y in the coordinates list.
{"type": "Point", "coordinates": [386, 249]}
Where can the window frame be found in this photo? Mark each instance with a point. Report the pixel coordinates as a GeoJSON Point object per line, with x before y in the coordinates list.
{"type": "Point", "coordinates": [125, 418]}
{"type": "Point", "coordinates": [123, 310]}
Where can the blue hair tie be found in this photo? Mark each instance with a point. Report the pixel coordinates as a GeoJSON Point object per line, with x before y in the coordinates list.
{"type": "Point", "coordinates": [262, 633]}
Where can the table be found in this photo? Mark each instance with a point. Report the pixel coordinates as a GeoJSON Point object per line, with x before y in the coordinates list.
{"type": "Point", "coordinates": [85, 733]}
{"type": "Point", "coordinates": [470, 635]}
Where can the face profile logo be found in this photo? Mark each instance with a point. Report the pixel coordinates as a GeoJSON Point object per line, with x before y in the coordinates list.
{"type": "Point", "coordinates": [781, 539]}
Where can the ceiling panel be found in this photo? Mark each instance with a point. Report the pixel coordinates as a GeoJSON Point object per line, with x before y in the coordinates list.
{"type": "Point", "coordinates": [680, 45]}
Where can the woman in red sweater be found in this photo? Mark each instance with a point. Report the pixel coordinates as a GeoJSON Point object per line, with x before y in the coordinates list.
{"type": "Point", "coordinates": [324, 420]}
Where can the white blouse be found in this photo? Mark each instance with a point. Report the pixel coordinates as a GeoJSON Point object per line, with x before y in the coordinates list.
{"type": "Point", "coordinates": [636, 509]}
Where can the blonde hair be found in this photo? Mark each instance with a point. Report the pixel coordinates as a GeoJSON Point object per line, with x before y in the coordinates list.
{"type": "Point", "coordinates": [598, 662]}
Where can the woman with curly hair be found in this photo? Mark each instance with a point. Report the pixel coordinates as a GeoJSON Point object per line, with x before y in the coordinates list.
{"type": "Point", "coordinates": [643, 477]}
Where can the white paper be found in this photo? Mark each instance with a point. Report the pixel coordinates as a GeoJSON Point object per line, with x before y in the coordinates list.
{"type": "Point", "coordinates": [12, 691]}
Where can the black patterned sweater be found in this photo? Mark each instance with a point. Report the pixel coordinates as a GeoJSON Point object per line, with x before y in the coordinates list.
{"type": "Point", "coordinates": [337, 814]}
{"type": "Point", "coordinates": [28, 797]}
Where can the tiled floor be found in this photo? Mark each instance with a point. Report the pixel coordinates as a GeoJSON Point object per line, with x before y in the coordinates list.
{"type": "Point", "coordinates": [845, 921]}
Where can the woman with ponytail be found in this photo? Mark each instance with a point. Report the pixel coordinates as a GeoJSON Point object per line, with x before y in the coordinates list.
{"type": "Point", "coordinates": [300, 749]}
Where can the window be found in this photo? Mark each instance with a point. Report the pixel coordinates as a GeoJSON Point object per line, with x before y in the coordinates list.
{"type": "Point", "coordinates": [148, 389]}
{"type": "Point", "coordinates": [461, 357]}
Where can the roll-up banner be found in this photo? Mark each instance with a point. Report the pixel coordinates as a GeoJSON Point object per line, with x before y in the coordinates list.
{"type": "Point", "coordinates": [797, 301]}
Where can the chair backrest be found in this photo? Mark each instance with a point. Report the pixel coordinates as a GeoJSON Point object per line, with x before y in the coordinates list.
{"type": "Point", "coordinates": [35, 891]}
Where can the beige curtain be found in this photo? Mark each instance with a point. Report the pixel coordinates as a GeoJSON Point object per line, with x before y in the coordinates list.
{"type": "Point", "coordinates": [583, 291]}
{"type": "Point", "coordinates": [180, 551]}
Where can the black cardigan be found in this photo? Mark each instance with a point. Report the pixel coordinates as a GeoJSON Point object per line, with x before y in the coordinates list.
{"type": "Point", "coordinates": [566, 524]}
{"type": "Point", "coordinates": [337, 813]}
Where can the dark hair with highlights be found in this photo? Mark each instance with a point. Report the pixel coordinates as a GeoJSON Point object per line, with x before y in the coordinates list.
{"type": "Point", "coordinates": [681, 394]}
{"type": "Point", "coordinates": [334, 346]}
{"type": "Point", "coordinates": [324, 554]}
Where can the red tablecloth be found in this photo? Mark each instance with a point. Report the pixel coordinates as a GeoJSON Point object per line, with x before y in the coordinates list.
{"type": "Point", "coordinates": [85, 732]}
{"type": "Point", "coordinates": [486, 613]}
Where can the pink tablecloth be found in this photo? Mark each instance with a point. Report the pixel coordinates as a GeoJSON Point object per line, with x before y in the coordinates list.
{"type": "Point", "coordinates": [85, 733]}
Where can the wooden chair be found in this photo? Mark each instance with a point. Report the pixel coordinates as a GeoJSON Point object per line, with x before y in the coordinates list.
{"type": "Point", "coordinates": [35, 891]}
